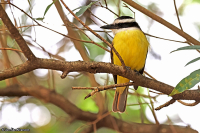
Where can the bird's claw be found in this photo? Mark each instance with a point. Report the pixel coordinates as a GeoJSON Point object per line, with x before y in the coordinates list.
{"type": "Point", "coordinates": [138, 73]}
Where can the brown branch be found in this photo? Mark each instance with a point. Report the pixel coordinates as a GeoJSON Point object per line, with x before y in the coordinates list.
{"type": "Point", "coordinates": [82, 50]}
{"type": "Point", "coordinates": [91, 39]}
{"type": "Point", "coordinates": [106, 7]}
{"type": "Point", "coordinates": [104, 120]}
{"type": "Point", "coordinates": [16, 35]}
{"type": "Point", "coordinates": [48, 96]}
{"type": "Point", "coordinates": [166, 104]}
{"type": "Point", "coordinates": [78, 45]}
{"type": "Point", "coordinates": [177, 15]}
{"type": "Point", "coordinates": [129, 9]}
{"type": "Point", "coordinates": [106, 87]}
{"type": "Point", "coordinates": [153, 111]}
{"type": "Point", "coordinates": [164, 38]}
{"type": "Point", "coordinates": [3, 43]}
{"type": "Point", "coordinates": [5, 29]}
{"type": "Point", "coordinates": [98, 89]}
{"type": "Point", "coordinates": [72, 110]}
{"type": "Point", "coordinates": [97, 67]}
{"type": "Point", "coordinates": [97, 35]}
{"type": "Point", "coordinates": [149, 75]}
{"type": "Point", "coordinates": [38, 24]}
{"type": "Point", "coordinates": [97, 17]}
{"type": "Point", "coordinates": [162, 21]}
{"type": "Point", "coordinates": [101, 88]}
{"type": "Point", "coordinates": [44, 50]}
{"type": "Point", "coordinates": [189, 104]}
{"type": "Point", "coordinates": [11, 49]}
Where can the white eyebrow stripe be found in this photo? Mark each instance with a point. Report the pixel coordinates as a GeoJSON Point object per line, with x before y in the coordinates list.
{"type": "Point", "coordinates": [123, 21]}
{"type": "Point", "coordinates": [115, 31]}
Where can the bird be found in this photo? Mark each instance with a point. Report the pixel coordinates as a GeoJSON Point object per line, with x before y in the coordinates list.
{"type": "Point", "coordinates": [132, 45]}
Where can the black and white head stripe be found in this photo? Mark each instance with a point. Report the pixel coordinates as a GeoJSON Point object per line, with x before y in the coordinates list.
{"type": "Point", "coordinates": [124, 19]}
{"type": "Point", "coordinates": [125, 22]}
{"type": "Point", "coordinates": [122, 22]}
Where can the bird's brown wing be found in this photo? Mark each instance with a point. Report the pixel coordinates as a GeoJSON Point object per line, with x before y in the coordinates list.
{"type": "Point", "coordinates": [112, 61]}
{"type": "Point", "coordinates": [141, 72]}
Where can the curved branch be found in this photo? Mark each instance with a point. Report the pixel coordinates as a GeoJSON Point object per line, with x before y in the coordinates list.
{"type": "Point", "coordinates": [97, 67]}
{"type": "Point", "coordinates": [162, 21]}
{"type": "Point", "coordinates": [97, 35]}
{"type": "Point", "coordinates": [76, 113]}
{"type": "Point", "coordinates": [16, 35]}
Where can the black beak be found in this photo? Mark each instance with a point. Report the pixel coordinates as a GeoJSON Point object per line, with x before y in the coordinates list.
{"type": "Point", "coordinates": [110, 26]}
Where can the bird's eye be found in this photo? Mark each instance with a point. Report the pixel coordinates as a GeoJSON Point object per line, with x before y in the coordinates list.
{"type": "Point", "coordinates": [120, 25]}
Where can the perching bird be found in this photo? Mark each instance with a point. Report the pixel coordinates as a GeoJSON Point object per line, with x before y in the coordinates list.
{"type": "Point", "coordinates": [131, 43]}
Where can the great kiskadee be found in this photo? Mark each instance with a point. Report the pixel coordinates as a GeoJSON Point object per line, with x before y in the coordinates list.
{"type": "Point", "coordinates": [132, 45]}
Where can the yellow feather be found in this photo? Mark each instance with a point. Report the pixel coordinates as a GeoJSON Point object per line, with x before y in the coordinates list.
{"type": "Point", "coordinates": [132, 45]}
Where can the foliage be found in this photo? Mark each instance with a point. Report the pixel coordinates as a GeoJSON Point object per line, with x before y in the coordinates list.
{"type": "Point", "coordinates": [187, 83]}
{"type": "Point", "coordinates": [191, 80]}
{"type": "Point", "coordinates": [60, 121]}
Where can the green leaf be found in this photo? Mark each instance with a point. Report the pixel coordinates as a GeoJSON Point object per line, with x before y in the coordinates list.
{"type": "Point", "coordinates": [1, 22]}
{"type": "Point", "coordinates": [76, 8]}
{"type": "Point", "coordinates": [193, 47]}
{"type": "Point", "coordinates": [48, 7]}
{"type": "Point", "coordinates": [83, 9]}
{"type": "Point", "coordinates": [10, 42]}
{"type": "Point", "coordinates": [88, 105]}
{"type": "Point", "coordinates": [187, 83]}
{"type": "Point", "coordinates": [196, 1]}
{"type": "Point", "coordinates": [41, 19]}
{"type": "Point", "coordinates": [192, 61]}
{"type": "Point", "coordinates": [94, 50]}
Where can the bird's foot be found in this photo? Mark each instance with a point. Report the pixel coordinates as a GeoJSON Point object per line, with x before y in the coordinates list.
{"type": "Point", "coordinates": [129, 68]}
{"type": "Point", "coordinates": [138, 73]}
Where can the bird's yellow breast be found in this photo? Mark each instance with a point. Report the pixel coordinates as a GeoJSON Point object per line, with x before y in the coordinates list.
{"type": "Point", "coordinates": [132, 45]}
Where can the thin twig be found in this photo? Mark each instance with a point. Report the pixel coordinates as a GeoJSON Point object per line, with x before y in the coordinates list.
{"type": "Point", "coordinates": [94, 127]}
{"type": "Point", "coordinates": [189, 104]}
{"type": "Point", "coordinates": [16, 35]}
{"type": "Point", "coordinates": [114, 123]}
{"type": "Point", "coordinates": [97, 35]}
{"type": "Point", "coordinates": [91, 39]}
{"type": "Point", "coordinates": [143, 95]}
{"type": "Point", "coordinates": [166, 104]}
{"type": "Point", "coordinates": [107, 9]}
{"type": "Point", "coordinates": [69, 108]}
{"type": "Point", "coordinates": [125, 5]}
{"type": "Point", "coordinates": [162, 21]}
{"type": "Point", "coordinates": [171, 125]}
{"type": "Point", "coordinates": [149, 75]}
{"type": "Point", "coordinates": [141, 110]}
{"type": "Point", "coordinates": [153, 112]}
{"type": "Point", "coordinates": [44, 50]}
{"type": "Point", "coordinates": [96, 24]}
{"type": "Point", "coordinates": [100, 117]}
{"type": "Point", "coordinates": [5, 29]}
{"type": "Point", "coordinates": [79, 128]}
{"type": "Point", "coordinates": [165, 38]}
{"type": "Point", "coordinates": [38, 24]}
{"type": "Point", "coordinates": [106, 3]}
{"type": "Point", "coordinates": [118, 7]}
{"type": "Point", "coordinates": [97, 17]}
{"type": "Point", "coordinates": [177, 15]}
{"type": "Point", "coordinates": [101, 88]}
{"type": "Point", "coordinates": [11, 49]}
{"type": "Point", "coordinates": [136, 104]}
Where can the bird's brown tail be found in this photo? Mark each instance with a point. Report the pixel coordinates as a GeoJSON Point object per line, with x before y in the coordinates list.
{"type": "Point", "coordinates": [119, 103]}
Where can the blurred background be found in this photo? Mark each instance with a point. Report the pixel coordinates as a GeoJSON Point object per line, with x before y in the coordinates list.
{"type": "Point", "coordinates": [38, 116]}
